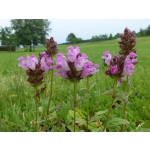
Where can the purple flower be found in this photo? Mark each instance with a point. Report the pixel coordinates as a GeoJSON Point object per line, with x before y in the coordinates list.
{"type": "Point", "coordinates": [80, 62]}
{"type": "Point", "coordinates": [113, 69]}
{"type": "Point", "coordinates": [29, 63]}
{"type": "Point", "coordinates": [61, 62]}
{"type": "Point", "coordinates": [76, 67]}
{"type": "Point", "coordinates": [133, 57]}
{"type": "Point", "coordinates": [62, 73]}
{"type": "Point", "coordinates": [107, 57]}
{"type": "Point", "coordinates": [42, 54]}
{"type": "Point", "coordinates": [89, 69]}
{"type": "Point", "coordinates": [35, 68]}
{"type": "Point", "coordinates": [128, 68]}
{"type": "Point", "coordinates": [46, 63]}
{"type": "Point", "coordinates": [72, 53]}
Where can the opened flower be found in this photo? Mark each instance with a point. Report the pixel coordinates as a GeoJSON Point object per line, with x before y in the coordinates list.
{"type": "Point", "coordinates": [106, 57]}
{"type": "Point", "coordinates": [35, 68]}
{"type": "Point", "coordinates": [76, 67]}
{"type": "Point", "coordinates": [121, 66]}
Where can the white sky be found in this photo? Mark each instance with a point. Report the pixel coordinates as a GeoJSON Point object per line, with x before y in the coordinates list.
{"type": "Point", "coordinates": [84, 18]}
{"type": "Point", "coordinates": [86, 28]}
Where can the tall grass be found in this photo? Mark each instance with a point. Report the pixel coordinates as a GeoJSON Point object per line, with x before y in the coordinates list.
{"type": "Point", "coordinates": [17, 96]}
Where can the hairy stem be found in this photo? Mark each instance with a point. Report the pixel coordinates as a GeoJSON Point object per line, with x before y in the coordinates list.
{"type": "Point", "coordinates": [36, 115]}
{"type": "Point", "coordinates": [51, 91]}
{"type": "Point", "coordinates": [113, 98]}
{"type": "Point", "coordinates": [36, 109]}
{"type": "Point", "coordinates": [75, 103]}
{"type": "Point", "coordinates": [88, 100]}
{"type": "Point", "coordinates": [124, 113]}
{"type": "Point", "coordinates": [124, 110]}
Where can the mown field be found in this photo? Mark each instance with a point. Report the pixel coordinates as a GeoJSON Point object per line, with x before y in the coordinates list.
{"type": "Point", "coordinates": [17, 108]}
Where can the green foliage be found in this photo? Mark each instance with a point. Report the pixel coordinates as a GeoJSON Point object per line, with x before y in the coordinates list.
{"type": "Point", "coordinates": [70, 37]}
{"type": "Point", "coordinates": [7, 37]}
{"type": "Point", "coordinates": [144, 32]}
{"type": "Point", "coordinates": [7, 48]}
{"type": "Point", "coordinates": [99, 38]}
{"type": "Point", "coordinates": [30, 32]}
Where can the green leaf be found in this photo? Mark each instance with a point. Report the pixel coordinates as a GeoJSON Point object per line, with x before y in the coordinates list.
{"type": "Point", "coordinates": [101, 112]}
{"type": "Point", "coordinates": [92, 85]}
{"type": "Point", "coordinates": [110, 92]}
{"type": "Point", "coordinates": [79, 120]}
{"type": "Point", "coordinates": [54, 129]}
{"type": "Point", "coordinates": [80, 113]}
{"type": "Point", "coordinates": [71, 128]}
{"type": "Point", "coordinates": [94, 118]}
{"type": "Point", "coordinates": [97, 130]}
{"type": "Point", "coordinates": [142, 130]}
{"type": "Point", "coordinates": [71, 113]}
{"type": "Point", "coordinates": [117, 121]}
{"type": "Point", "coordinates": [83, 98]}
{"type": "Point", "coordinates": [92, 126]}
{"type": "Point", "coordinates": [55, 108]}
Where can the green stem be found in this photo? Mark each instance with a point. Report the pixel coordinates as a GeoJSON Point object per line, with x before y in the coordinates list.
{"type": "Point", "coordinates": [113, 98]}
{"type": "Point", "coordinates": [75, 103]}
{"type": "Point", "coordinates": [36, 108]}
{"type": "Point", "coordinates": [125, 107]}
{"type": "Point", "coordinates": [124, 113]}
{"type": "Point", "coordinates": [128, 79]}
{"type": "Point", "coordinates": [36, 115]}
{"type": "Point", "coordinates": [88, 101]}
{"type": "Point", "coordinates": [51, 91]}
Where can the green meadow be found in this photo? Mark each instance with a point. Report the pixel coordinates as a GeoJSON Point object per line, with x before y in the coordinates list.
{"type": "Point", "coordinates": [17, 108]}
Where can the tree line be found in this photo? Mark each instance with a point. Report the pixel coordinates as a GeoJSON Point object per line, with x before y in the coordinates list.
{"type": "Point", "coordinates": [25, 32]}
{"type": "Point", "coordinates": [71, 38]}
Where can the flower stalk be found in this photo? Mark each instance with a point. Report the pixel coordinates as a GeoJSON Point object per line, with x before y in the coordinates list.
{"type": "Point", "coordinates": [36, 109]}
{"type": "Point", "coordinates": [124, 113]}
{"type": "Point", "coordinates": [88, 100]}
{"type": "Point", "coordinates": [51, 91]}
{"type": "Point", "coordinates": [75, 103]}
{"type": "Point", "coordinates": [113, 98]}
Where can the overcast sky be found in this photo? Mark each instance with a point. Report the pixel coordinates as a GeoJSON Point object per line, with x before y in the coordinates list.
{"type": "Point", "coordinates": [86, 28]}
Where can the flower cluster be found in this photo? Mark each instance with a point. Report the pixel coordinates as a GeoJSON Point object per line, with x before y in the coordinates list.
{"type": "Point", "coordinates": [35, 68]}
{"type": "Point", "coordinates": [120, 66]}
{"type": "Point", "coordinates": [127, 43]}
{"type": "Point", "coordinates": [76, 67]}
{"type": "Point", "coordinates": [51, 47]}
